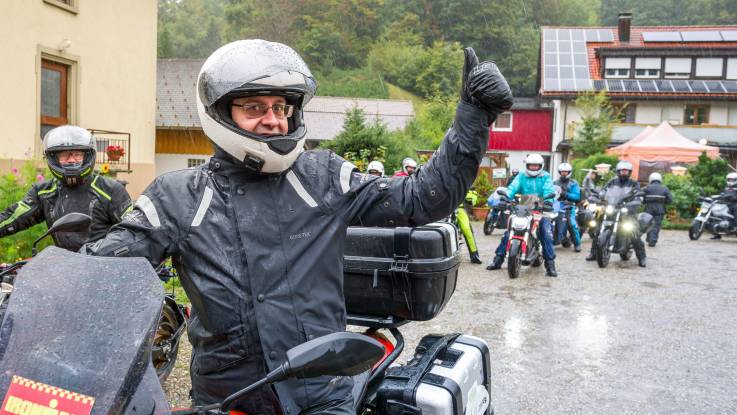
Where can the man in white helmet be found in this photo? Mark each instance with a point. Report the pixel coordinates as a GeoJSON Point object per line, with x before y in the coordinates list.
{"type": "Point", "coordinates": [409, 165]}
{"type": "Point", "coordinates": [656, 197]}
{"type": "Point", "coordinates": [623, 179]}
{"type": "Point", "coordinates": [534, 181]}
{"type": "Point", "coordinates": [375, 168]}
{"type": "Point", "coordinates": [70, 153]}
{"type": "Point", "coordinates": [257, 234]}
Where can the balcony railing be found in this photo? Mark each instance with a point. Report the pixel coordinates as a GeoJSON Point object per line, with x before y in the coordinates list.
{"type": "Point", "coordinates": [107, 143]}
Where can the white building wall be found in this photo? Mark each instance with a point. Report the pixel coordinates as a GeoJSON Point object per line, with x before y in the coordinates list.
{"type": "Point", "coordinates": [172, 162]}
{"type": "Point", "coordinates": [719, 114]}
{"type": "Point", "coordinates": [648, 113]}
{"type": "Point", "coordinates": [672, 112]}
{"type": "Point", "coordinates": [732, 120]}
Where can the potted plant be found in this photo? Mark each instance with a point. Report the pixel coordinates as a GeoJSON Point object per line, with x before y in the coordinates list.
{"type": "Point", "coordinates": [114, 153]}
{"type": "Point", "coordinates": [483, 187]}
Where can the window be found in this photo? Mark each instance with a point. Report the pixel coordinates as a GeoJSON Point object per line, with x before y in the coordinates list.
{"type": "Point", "coordinates": [54, 110]}
{"type": "Point", "coordinates": [503, 122]}
{"type": "Point", "coordinates": [647, 68]}
{"type": "Point", "coordinates": [677, 68]}
{"type": "Point", "coordinates": [709, 67]}
{"type": "Point", "coordinates": [732, 68]}
{"type": "Point", "coordinates": [68, 5]}
{"type": "Point", "coordinates": [696, 114]}
{"type": "Point", "coordinates": [617, 67]}
{"type": "Point", "coordinates": [195, 162]}
{"type": "Point", "coordinates": [625, 112]}
{"type": "Point", "coordinates": [672, 113]}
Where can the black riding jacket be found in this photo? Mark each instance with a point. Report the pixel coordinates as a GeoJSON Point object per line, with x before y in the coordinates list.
{"type": "Point", "coordinates": [261, 256]}
{"type": "Point", "coordinates": [104, 199]}
{"type": "Point", "coordinates": [656, 197]}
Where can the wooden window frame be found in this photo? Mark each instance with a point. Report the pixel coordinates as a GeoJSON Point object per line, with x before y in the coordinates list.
{"type": "Point", "coordinates": [504, 129]}
{"type": "Point", "coordinates": [72, 6]}
{"type": "Point", "coordinates": [63, 117]}
{"type": "Point", "coordinates": [699, 108]}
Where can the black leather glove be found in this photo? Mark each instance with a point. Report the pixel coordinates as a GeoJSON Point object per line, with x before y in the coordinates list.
{"type": "Point", "coordinates": [484, 86]}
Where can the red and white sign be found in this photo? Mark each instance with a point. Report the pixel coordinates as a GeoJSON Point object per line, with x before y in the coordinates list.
{"type": "Point", "coordinates": [27, 397]}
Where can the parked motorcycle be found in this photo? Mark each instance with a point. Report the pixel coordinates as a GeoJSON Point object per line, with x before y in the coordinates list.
{"type": "Point", "coordinates": [714, 217]}
{"type": "Point", "coordinates": [174, 316]}
{"type": "Point", "coordinates": [523, 247]}
{"type": "Point", "coordinates": [620, 224]}
{"type": "Point", "coordinates": [498, 214]}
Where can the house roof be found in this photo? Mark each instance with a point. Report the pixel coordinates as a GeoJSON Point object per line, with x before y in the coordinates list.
{"type": "Point", "coordinates": [570, 60]}
{"type": "Point", "coordinates": [176, 107]}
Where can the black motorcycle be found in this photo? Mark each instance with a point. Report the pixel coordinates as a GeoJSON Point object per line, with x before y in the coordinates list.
{"type": "Point", "coordinates": [620, 223]}
{"type": "Point", "coordinates": [498, 214]}
{"type": "Point", "coordinates": [713, 217]}
{"type": "Point", "coordinates": [174, 316]}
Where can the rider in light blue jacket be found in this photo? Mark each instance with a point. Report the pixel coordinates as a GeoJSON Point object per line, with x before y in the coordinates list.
{"type": "Point", "coordinates": [534, 181]}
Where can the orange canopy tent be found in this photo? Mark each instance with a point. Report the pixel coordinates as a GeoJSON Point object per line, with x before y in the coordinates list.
{"type": "Point", "coordinates": [661, 144]}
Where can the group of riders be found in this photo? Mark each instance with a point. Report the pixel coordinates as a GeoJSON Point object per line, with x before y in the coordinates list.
{"type": "Point", "coordinates": [568, 196]}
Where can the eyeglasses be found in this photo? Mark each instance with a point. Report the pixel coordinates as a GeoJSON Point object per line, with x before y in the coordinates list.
{"type": "Point", "coordinates": [256, 110]}
{"type": "Point", "coordinates": [70, 154]}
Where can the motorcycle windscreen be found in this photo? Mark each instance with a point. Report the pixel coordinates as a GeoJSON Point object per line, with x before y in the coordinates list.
{"type": "Point", "coordinates": [79, 326]}
{"type": "Point", "coordinates": [615, 195]}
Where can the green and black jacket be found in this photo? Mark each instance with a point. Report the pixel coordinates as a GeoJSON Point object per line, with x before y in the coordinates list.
{"type": "Point", "coordinates": [104, 199]}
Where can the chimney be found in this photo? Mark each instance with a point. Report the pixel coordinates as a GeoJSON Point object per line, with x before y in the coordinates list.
{"type": "Point", "coordinates": [624, 27]}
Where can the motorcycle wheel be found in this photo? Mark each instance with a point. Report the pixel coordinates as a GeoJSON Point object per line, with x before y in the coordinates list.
{"type": "Point", "coordinates": [163, 354]}
{"type": "Point", "coordinates": [566, 243]}
{"type": "Point", "coordinates": [695, 231]}
{"type": "Point", "coordinates": [625, 256]}
{"type": "Point", "coordinates": [602, 251]}
{"type": "Point", "coordinates": [488, 226]}
{"type": "Point", "coordinates": [514, 263]}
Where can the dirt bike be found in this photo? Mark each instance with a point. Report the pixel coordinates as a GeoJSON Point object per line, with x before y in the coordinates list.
{"type": "Point", "coordinates": [523, 246]}
{"type": "Point", "coordinates": [173, 316]}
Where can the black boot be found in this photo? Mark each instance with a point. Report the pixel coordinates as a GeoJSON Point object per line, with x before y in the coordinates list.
{"type": "Point", "coordinates": [642, 261]}
{"type": "Point", "coordinates": [475, 259]}
{"type": "Point", "coordinates": [592, 253]}
{"type": "Point", "coordinates": [577, 248]}
{"type": "Point", "coordinates": [496, 263]}
{"type": "Point", "coordinates": [550, 268]}
{"type": "Point", "coordinates": [716, 237]}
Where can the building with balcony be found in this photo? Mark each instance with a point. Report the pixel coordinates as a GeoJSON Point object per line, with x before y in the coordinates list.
{"type": "Point", "coordinates": [89, 63]}
{"type": "Point", "coordinates": [685, 75]}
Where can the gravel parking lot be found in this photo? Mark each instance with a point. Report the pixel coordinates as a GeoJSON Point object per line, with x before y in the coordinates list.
{"type": "Point", "coordinates": [596, 341]}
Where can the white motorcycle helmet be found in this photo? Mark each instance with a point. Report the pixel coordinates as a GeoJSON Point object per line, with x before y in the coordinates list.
{"type": "Point", "coordinates": [624, 165]}
{"type": "Point", "coordinates": [533, 159]}
{"type": "Point", "coordinates": [565, 167]}
{"type": "Point", "coordinates": [408, 162]}
{"type": "Point", "coordinates": [68, 138]}
{"type": "Point", "coordinates": [732, 179]}
{"type": "Point", "coordinates": [254, 68]}
{"type": "Point", "coordinates": [655, 177]}
{"type": "Point", "coordinates": [376, 166]}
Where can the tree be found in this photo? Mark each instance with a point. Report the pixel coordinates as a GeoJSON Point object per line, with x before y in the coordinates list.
{"type": "Point", "coordinates": [595, 130]}
{"type": "Point", "coordinates": [709, 175]}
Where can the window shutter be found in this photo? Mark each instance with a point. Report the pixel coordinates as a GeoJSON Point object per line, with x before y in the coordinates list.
{"type": "Point", "coordinates": [709, 67]}
{"type": "Point", "coordinates": [678, 65]}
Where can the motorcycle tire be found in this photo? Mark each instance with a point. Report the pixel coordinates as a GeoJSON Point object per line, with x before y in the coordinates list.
{"type": "Point", "coordinates": [602, 250]}
{"type": "Point", "coordinates": [163, 355]}
{"type": "Point", "coordinates": [515, 263]}
{"type": "Point", "coordinates": [488, 227]}
{"type": "Point", "coordinates": [566, 243]}
{"type": "Point", "coordinates": [537, 262]}
{"type": "Point", "coordinates": [696, 230]}
{"type": "Point", "coordinates": [625, 256]}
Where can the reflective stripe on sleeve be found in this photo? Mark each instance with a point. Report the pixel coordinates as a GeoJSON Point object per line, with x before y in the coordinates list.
{"type": "Point", "coordinates": [204, 205]}
{"type": "Point", "coordinates": [345, 175]}
{"type": "Point", "coordinates": [147, 207]}
{"type": "Point", "coordinates": [297, 186]}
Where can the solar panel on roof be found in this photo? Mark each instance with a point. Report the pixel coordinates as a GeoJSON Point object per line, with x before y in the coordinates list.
{"type": "Point", "coordinates": [661, 36]}
{"type": "Point", "coordinates": [565, 59]}
{"type": "Point", "coordinates": [549, 34]}
{"type": "Point", "coordinates": [551, 46]}
{"type": "Point", "coordinates": [552, 84]}
{"type": "Point", "coordinates": [680, 86]}
{"type": "Point", "coordinates": [564, 34]}
{"type": "Point", "coordinates": [583, 84]}
{"type": "Point", "coordinates": [566, 71]}
{"type": "Point", "coordinates": [730, 86]}
{"type": "Point", "coordinates": [592, 35]}
{"type": "Point", "coordinates": [606, 35]}
{"type": "Point", "coordinates": [698, 86]}
{"type": "Point", "coordinates": [551, 59]}
{"type": "Point", "coordinates": [578, 35]}
{"type": "Point", "coordinates": [664, 86]}
{"type": "Point", "coordinates": [714, 86]}
{"type": "Point", "coordinates": [567, 85]}
{"type": "Point", "coordinates": [580, 59]}
{"type": "Point", "coordinates": [581, 72]}
{"type": "Point", "coordinates": [648, 86]}
{"type": "Point", "coordinates": [551, 71]}
{"type": "Point", "coordinates": [599, 84]}
{"type": "Point", "coordinates": [615, 85]}
{"type": "Point", "coordinates": [701, 36]}
{"type": "Point", "coordinates": [729, 35]}
{"type": "Point", "coordinates": [631, 86]}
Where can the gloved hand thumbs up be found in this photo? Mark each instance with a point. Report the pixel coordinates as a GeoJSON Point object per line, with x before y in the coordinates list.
{"type": "Point", "coordinates": [484, 85]}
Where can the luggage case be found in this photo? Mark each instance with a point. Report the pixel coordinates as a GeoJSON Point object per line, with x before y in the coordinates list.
{"type": "Point", "coordinates": [400, 273]}
{"type": "Point", "coordinates": [449, 375]}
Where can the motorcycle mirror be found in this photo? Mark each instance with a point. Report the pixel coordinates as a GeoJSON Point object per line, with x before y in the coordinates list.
{"type": "Point", "coordinates": [71, 222]}
{"type": "Point", "coordinates": [335, 354]}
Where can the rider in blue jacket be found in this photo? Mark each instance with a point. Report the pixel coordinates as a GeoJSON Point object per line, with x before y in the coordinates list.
{"type": "Point", "coordinates": [534, 181]}
{"type": "Point", "coordinates": [570, 194]}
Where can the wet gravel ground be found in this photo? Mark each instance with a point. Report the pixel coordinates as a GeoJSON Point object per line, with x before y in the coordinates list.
{"type": "Point", "coordinates": [660, 340]}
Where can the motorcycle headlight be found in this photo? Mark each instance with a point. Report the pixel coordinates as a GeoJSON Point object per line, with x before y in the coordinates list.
{"type": "Point", "coordinates": [592, 224]}
{"type": "Point", "coordinates": [628, 226]}
{"type": "Point", "coordinates": [625, 210]}
{"type": "Point", "coordinates": [519, 223]}
{"type": "Point", "coordinates": [592, 208]}
{"type": "Point", "coordinates": [609, 209]}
